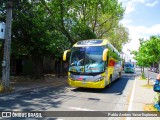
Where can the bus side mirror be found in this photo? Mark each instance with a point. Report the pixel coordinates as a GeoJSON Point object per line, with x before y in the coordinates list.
{"type": "Point", "coordinates": [65, 54]}
{"type": "Point", "coordinates": [105, 52]}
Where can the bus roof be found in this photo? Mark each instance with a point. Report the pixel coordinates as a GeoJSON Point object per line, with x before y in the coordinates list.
{"type": "Point", "coordinates": [91, 42]}
{"type": "Point", "coordinates": [95, 42]}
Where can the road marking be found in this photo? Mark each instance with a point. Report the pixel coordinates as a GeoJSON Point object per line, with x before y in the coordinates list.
{"type": "Point", "coordinates": [81, 109]}
{"type": "Point", "coordinates": [131, 100]}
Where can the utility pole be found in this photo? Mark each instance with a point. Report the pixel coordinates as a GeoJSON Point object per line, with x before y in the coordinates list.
{"type": "Point", "coordinates": [7, 47]}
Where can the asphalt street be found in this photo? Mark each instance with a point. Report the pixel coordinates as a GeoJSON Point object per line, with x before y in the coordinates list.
{"type": "Point", "coordinates": [66, 98]}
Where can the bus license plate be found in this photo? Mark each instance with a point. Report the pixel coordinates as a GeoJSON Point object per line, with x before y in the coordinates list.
{"type": "Point", "coordinates": [84, 82]}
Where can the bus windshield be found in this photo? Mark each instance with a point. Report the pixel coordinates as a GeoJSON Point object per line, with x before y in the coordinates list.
{"type": "Point", "coordinates": [128, 65]}
{"type": "Point", "coordinates": [86, 60]}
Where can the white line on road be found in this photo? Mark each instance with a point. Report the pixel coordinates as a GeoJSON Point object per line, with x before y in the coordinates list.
{"type": "Point", "coordinates": [81, 109]}
{"type": "Point", "coordinates": [131, 100]}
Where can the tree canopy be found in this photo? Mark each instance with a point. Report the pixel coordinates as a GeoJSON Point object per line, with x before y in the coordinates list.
{"type": "Point", "coordinates": [149, 51]}
{"type": "Point", "coordinates": [42, 27]}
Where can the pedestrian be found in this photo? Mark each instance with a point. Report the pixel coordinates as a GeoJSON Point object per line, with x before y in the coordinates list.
{"type": "Point", "coordinates": [157, 96]}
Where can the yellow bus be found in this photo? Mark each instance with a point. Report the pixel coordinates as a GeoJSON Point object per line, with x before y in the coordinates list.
{"type": "Point", "coordinates": [93, 64]}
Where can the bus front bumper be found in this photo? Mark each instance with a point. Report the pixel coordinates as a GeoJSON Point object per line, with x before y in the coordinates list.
{"type": "Point", "coordinates": [84, 84]}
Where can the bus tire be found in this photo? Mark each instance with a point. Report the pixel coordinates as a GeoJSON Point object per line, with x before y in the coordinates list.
{"type": "Point", "coordinates": [110, 81]}
{"type": "Point", "coordinates": [120, 74]}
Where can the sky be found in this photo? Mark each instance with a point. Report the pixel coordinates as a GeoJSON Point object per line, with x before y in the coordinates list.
{"type": "Point", "coordinates": [142, 18]}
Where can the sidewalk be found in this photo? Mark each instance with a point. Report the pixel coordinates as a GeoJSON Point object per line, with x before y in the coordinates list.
{"type": "Point", "coordinates": [143, 96]}
{"type": "Point", "coordinates": [27, 85]}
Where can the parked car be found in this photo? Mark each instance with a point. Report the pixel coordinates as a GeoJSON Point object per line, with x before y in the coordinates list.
{"type": "Point", "coordinates": [153, 69]}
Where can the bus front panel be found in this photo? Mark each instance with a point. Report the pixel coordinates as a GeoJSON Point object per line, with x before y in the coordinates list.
{"type": "Point", "coordinates": [87, 81]}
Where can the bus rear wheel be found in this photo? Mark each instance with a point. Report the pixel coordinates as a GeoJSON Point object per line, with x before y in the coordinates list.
{"type": "Point", "coordinates": [120, 74]}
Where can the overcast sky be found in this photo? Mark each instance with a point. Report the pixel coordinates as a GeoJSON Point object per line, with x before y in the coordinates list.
{"type": "Point", "coordinates": [142, 18]}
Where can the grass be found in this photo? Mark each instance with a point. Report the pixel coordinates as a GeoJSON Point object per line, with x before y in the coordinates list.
{"type": "Point", "coordinates": [148, 86]}
{"type": "Point", "coordinates": [141, 78]}
{"type": "Point", "coordinates": [149, 107]}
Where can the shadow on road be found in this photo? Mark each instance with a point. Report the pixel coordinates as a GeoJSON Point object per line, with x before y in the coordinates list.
{"type": "Point", "coordinates": [43, 99]}
{"type": "Point", "coordinates": [37, 99]}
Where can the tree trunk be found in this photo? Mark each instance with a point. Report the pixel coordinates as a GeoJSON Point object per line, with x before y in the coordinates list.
{"type": "Point", "coordinates": [143, 69]}
{"type": "Point", "coordinates": [58, 68]}
{"type": "Point", "coordinates": [37, 67]}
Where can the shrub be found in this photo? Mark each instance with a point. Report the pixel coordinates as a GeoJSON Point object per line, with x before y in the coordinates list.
{"type": "Point", "coordinates": [143, 76]}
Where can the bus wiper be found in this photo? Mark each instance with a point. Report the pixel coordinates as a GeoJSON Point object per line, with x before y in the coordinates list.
{"type": "Point", "coordinates": [75, 73]}
{"type": "Point", "coordinates": [95, 73]}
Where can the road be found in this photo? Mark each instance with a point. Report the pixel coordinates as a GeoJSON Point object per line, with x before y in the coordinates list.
{"type": "Point", "coordinates": [152, 75]}
{"type": "Point", "coordinates": [65, 98]}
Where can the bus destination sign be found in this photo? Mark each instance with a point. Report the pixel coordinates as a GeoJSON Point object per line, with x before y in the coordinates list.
{"type": "Point", "coordinates": [89, 42]}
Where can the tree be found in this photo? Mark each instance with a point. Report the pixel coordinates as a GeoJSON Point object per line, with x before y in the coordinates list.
{"type": "Point", "coordinates": [103, 19]}
{"type": "Point", "coordinates": [118, 36]}
{"type": "Point", "coordinates": [154, 48]}
{"type": "Point", "coordinates": [142, 56]}
{"type": "Point", "coordinates": [2, 19]}
{"type": "Point", "coordinates": [148, 52]}
{"type": "Point", "coordinates": [39, 32]}
{"type": "Point", "coordinates": [42, 27]}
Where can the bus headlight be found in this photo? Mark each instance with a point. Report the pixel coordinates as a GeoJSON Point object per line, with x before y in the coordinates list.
{"type": "Point", "coordinates": [99, 79]}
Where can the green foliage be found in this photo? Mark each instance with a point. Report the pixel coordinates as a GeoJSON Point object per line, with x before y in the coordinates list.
{"type": "Point", "coordinates": [149, 51]}
{"type": "Point", "coordinates": [103, 18]}
{"type": "Point", "coordinates": [3, 4]}
{"type": "Point", "coordinates": [115, 55]}
{"type": "Point", "coordinates": [143, 76]}
{"type": "Point", "coordinates": [118, 36]}
{"type": "Point", "coordinates": [43, 28]}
